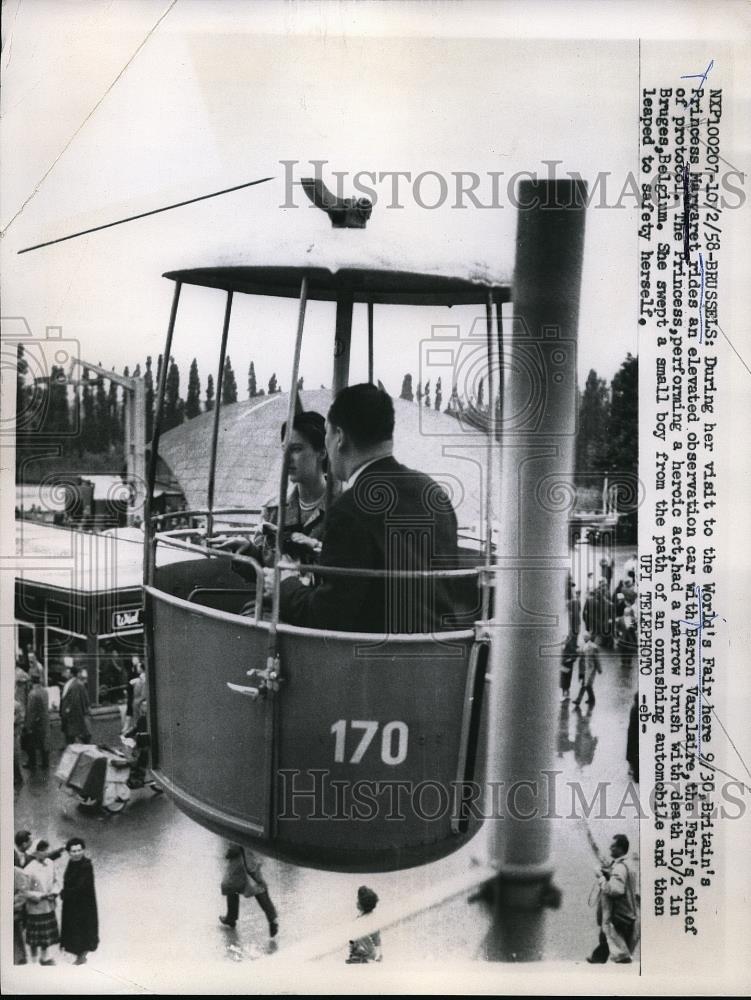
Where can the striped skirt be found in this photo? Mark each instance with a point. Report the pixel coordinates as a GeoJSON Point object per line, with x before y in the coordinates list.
{"type": "Point", "coordinates": [41, 930]}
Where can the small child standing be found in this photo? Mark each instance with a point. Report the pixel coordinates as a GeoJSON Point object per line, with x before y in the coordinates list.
{"type": "Point", "coordinates": [589, 667]}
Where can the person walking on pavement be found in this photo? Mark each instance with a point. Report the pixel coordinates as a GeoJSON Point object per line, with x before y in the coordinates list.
{"type": "Point", "coordinates": [589, 667]}
{"type": "Point", "coordinates": [598, 614]}
{"type": "Point", "coordinates": [41, 922]}
{"type": "Point", "coordinates": [74, 709]}
{"type": "Point", "coordinates": [568, 658]}
{"type": "Point", "coordinates": [79, 925]}
{"type": "Point", "coordinates": [632, 739]}
{"type": "Point", "coordinates": [242, 875]}
{"type": "Point", "coordinates": [38, 722]}
{"type": "Point", "coordinates": [23, 683]}
{"type": "Point", "coordinates": [18, 721]}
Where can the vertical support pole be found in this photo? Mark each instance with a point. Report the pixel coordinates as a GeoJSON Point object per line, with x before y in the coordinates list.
{"type": "Point", "coordinates": [489, 456]}
{"type": "Point", "coordinates": [283, 477]}
{"type": "Point", "coordinates": [137, 400]}
{"type": "Point", "coordinates": [92, 664]}
{"type": "Point", "coordinates": [149, 546]}
{"type": "Point", "coordinates": [148, 528]}
{"type": "Point", "coordinates": [217, 411]}
{"type": "Point", "coordinates": [45, 646]}
{"type": "Point", "coordinates": [539, 430]}
{"type": "Point", "coordinates": [273, 664]}
{"type": "Point", "coordinates": [370, 343]}
{"type": "Point", "coordinates": [501, 369]}
{"type": "Point", "coordinates": [342, 344]}
{"type": "Point", "coordinates": [128, 446]}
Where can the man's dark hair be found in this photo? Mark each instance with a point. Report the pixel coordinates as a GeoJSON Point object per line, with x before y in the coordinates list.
{"type": "Point", "coordinates": [21, 837]}
{"type": "Point", "coordinates": [73, 841]}
{"type": "Point", "coordinates": [621, 840]}
{"type": "Point", "coordinates": [74, 671]}
{"type": "Point", "coordinates": [365, 413]}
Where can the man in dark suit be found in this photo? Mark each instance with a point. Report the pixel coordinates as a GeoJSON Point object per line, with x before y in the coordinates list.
{"type": "Point", "coordinates": [388, 518]}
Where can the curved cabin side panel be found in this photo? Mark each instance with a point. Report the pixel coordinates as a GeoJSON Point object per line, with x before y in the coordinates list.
{"type": "Point", "coordinates": [372, 727]}
{"type": "Point", "coordinates": [211, 745]}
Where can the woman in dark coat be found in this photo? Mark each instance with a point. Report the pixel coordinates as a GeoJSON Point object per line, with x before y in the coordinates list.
{"type": "Point", "coordinates": [38, 722]}
{"type": "Point", "coordinates": [80, 923]}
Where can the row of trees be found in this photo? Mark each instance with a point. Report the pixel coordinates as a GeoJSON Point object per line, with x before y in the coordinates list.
{"type": "Point", "coordinates": [607, 436]}
{"type": "Point", "coordinates": [177, 410]}
{"type": "Point", "coordinates": [607, 441]}
{"type": "Point", "coordinates": [422, 395]}
{"type": "Point", "coordinates": [87, 417]}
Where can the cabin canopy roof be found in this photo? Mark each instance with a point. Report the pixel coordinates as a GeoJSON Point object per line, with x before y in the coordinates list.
{"type": "Point", "coordinates": [358, 284]}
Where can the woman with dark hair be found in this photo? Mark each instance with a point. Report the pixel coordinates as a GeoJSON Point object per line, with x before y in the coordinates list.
{"type": "Point", "coordinates": [368, 947]}
{"type": "Point", "coordinates": [80, 921]}
{"type": "Point", "coordinates": [306, 502]}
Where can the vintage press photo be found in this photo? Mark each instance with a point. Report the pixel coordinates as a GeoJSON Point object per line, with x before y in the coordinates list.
{"type": "Point", "coordinates": [375, 497]}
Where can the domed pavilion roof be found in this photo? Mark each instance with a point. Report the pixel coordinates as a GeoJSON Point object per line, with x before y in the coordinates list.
{"type": "Point", "coordinates": [249, 452]}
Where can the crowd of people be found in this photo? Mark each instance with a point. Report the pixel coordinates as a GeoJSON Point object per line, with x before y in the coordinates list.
{"type": "Point", "coordinates": [38, 885]}
{"type": "Point", "coordinates": [610, 622]}
{"type": "Point", "coordinates": [31, 720]}
{"type": "Point", "coordinates": [604, 628]}
{"type": "Point", "coordinates": [32, 729]}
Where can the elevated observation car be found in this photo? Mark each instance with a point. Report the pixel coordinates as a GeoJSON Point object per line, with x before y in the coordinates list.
{"type": "Point", "coordinates": [297, 741]}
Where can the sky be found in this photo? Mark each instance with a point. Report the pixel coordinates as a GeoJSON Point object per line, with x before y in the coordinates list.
{"type": "Point", "coordinates": [111, 110]}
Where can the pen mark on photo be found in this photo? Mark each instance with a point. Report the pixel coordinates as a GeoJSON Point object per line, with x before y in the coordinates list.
{"type": "Point", "coordinates": [70, 141]}
{"type": "Point", "coordinates": [686, 212]}
{"type": "Point", "coordinates": [699, 76]}
{"type": "Point", "coordinates": [718, 770]}
{"type": "Point", "coordinates": [730, 741]}
{"type": "Point", "coordinates": [737, 354]}
{"type": "Point", "coordinates": [701, 299]}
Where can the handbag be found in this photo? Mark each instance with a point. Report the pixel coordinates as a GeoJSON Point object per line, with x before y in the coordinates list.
{"type": "Point", "coordinates": [254, 884]}
{"type": "Point", "coordinates": [252, 888]}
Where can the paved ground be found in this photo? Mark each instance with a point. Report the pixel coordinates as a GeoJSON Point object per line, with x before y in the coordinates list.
{"type": "Point", "coordinates": [158, 877]}
{"type": "Point", "coordinates": [158, 872]}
